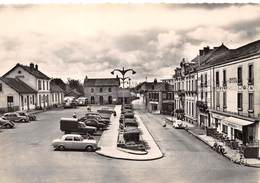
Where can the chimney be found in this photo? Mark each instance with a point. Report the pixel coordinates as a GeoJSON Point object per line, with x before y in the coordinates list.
{"type": "Point", "coordinates": [36, 66]}
{"type": "Point", "coordinates": [31, 66]}
{"type": "Point", "coordinates": [201, 52]}
{"type": "Point", "coordinates": [206, 50]}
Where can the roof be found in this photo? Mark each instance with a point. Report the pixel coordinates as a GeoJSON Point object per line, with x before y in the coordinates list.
{"type": "Point", "coordinates": [73, 92]}
{"type": "Point", "coordinates": [32, 70]}
{"type": "Point", "coordinates": [231, 55]}
{"type": "Point", "coordinates": [160, 86]}
{"type": "Point", "coordinates": [55, 88]}
{"type": "Point", "coordinates": [101, 82]}
{"type": "Point", "coordinates": [18, 85]}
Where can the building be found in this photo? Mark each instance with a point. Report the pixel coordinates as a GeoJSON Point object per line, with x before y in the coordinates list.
{"type": "Point", "coordinates": [16, 95]}
{"type": "Point", "coordinates": [33, 77]}
{"type": "Point", "coordinates": [236, 106]}
{"type": "Point", "coordinates": [57, 95]}
{"type": "Point", "coordinates": [158, 97]}
{"type": "Point", "coordinates": [102, 90]}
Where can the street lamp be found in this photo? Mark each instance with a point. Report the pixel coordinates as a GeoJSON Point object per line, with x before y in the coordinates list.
{"type": "Point", "coordinates": [123, 72]}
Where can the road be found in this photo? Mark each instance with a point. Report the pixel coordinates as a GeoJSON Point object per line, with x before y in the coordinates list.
{"type": "Point", "coordinates": [27, 157]}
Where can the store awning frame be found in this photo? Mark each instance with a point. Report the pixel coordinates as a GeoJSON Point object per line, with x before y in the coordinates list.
{"type": "Point", "coordinates": [237, 123]}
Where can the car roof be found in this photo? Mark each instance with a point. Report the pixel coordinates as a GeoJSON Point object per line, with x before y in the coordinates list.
{"type": "Point", "coordinates": [72, 135]}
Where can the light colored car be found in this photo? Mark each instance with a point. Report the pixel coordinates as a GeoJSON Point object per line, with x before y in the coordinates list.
{"type": "Point", "coordinates": [74, 141]}
{"type": "Point", "coordinates": [15, 117]}
{"type": "Point", "coordinates": [178, 124]}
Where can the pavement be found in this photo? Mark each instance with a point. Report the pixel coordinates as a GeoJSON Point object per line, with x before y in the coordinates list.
{"type": "Point", "coordinates": [200, 134]}
{"type": "Point", "coordinates": [108, 142]}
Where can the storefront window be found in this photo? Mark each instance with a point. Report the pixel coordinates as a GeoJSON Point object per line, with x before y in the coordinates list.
{"type": "Point", "coordinates": [238, 134]}
{"type": "Point", "coordinates": [224, 128]}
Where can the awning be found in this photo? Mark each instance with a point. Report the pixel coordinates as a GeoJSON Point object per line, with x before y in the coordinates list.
{"type": "Point", "coordinates": [236, 123]}
{"type": "Point", "coordinates": [153, 102]}
{"type": "Point", "coordinates": [218, 116]}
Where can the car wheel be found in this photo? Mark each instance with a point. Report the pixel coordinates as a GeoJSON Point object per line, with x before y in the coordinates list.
{"type": "Point", "coordinates": [8, 126]}
{"type": "Point", "coordinates": [23, 120]}
{"type": "Point", "coordinates": [89, 149]}
{"type": "Point", "coordinates": [61, 148]}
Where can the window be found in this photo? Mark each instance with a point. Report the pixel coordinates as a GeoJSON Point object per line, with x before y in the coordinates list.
{"type": "Point", "coordinates": [109, 90]}
{"type": "Point", "coordinates": [39, 85]}
{"type": "Point", "coordinates": [10, 99]}
{"type": "Point", "coordinates": [239, 76]}
{"type": "Point", "coordinates": [19, 72]}
{"type": "Point", "coordinates": [164, 96]}
{"type": "Point", "coordinates": [250, 74]}
{"type": "Point", "coordinates": [224, 128]}
{"type": "Point", "coordinates": [206, 96]}
{"type": "Point", "coordinates": [206, 80]}
{"type": "Point", "coordinates": [100, 90]}
{"type": "Point", "coordinates": [201, 80]}
{"type": "Point", "coordinates": [224, 99]}
{"type": "Point", "coordinates": [217, 79]}
{"type": "Point", "coordinates": [76, 139]}
{"type": "Point", "coordinates": [1, 87]}
{"type": "Point", "coordinates": [224, 78]}
{"type": "Point", "coordinates": [217, 99]}
{"type": "Point", "coordinates": [33, 99]}
{"type": "Point", "coordinates": [201, 95]}
{"type": "Point", "coordinates": [47, 85]}
{"type": "Point", "coordinates": [92, 90]}
{"type": "Point", "coordinates": [240, 101]}
{"type": "Point", "coordinates": [69, 139]}
{"type": "Point", "coordinates": [43, 85]}
{"type": "Point", "coordinates": [192, 83]}
{"type": "Point", "coordinates": [251, 102]}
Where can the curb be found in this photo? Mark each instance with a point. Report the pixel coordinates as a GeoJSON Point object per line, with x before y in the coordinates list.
{"type": "Point", "coordinates": [113, 157]}
{"type": "Point", "coordinates": [195, 135]}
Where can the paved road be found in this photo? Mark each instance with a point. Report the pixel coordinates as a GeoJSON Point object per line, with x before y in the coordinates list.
{"type": "Point", "coordinates": [26, 157]}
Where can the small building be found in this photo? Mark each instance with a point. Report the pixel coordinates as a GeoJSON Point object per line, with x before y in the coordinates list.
{"type": "Point", "coordinates": [57, 95]}
{"type": "Point", "coordinates": [73, 93]}
{"type": "Point", "coordinates": [33, 77]}
{"type": "Point", "coordinates": [102, 90]}
{"type": "Point", "coordinates": [16, 95]}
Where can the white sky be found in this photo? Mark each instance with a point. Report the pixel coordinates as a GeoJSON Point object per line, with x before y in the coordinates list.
{"type": "Point", "coordinates": [72, 41]}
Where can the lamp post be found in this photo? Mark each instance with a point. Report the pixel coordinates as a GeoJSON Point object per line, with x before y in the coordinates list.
{"type": "Point", "coordinates": [123, 72]}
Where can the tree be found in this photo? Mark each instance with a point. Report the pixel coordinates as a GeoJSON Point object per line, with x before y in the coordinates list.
{"type": "Point", "coordinates": [76, 84]}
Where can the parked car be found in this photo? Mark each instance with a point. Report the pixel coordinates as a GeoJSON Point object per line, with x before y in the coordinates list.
{"type": "Point", "coordinates": [94, 123]}
{"type": "Point", "coordinates": [102, 115]}
{"type": "Point", "coordinates": [74, 141]}
{"type": "Point", "coordinates": [31, 117]}
{"type": "Point", "coordinates": [73, 125]}
{"type": "Point", "coordinates": [82, 101]}
{"type": "Point", "coordinates": [69, 102]}
{"type": "Point", "coordinates": [6, 123]}
{"type": "Point", "coordinates": [15, 117]}
{"type": "Point", "coordinates": [178, 124]}
{"type": "Point", "coordinates": [98, 118]}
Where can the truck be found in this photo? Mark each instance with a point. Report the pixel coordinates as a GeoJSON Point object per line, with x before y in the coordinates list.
{"type": "Point", "coordinates": [69, 102]}
{"type": "Point", "coordinates": [73, 125]}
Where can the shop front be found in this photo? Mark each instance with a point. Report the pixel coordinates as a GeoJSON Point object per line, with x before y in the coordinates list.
{"type": "Point", "coordinates": [242, 131]}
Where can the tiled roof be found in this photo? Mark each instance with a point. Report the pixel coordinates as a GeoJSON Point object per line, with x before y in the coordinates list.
{"type": "Point", "coordinates": [33, 71]}
{"type": "Point", "coordinates": [160, 86]}
{"type": "Point", "coordinates": [72, 92]}
{"type": "Point", "coordinates": [55, 88]}
{"type": "Point", "coordinates": [18, 85]}
{"type": "Point", "coordinates": [245, 51]}
{"type": "Point", "coordinates": [102, 82]}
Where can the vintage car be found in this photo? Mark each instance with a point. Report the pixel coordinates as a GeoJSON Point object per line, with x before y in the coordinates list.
{"type": "Point", "coordinates": [31, 117]}
{"type": "Point", "coordinates": [6, 123]}
{"type": "Point", "coordinates": [15, 117]}
{"type": "Point", "coordinates": [74, 141]}
{"type": "Point", "coordinates": [178, 124]}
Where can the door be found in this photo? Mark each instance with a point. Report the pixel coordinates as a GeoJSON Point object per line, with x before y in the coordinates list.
{"type": "Point", "coordinates": [110, 99]}
{"type": "Point", "coordinates": [68, 142]}
{"type": "Point", "coordinates": [77, 143]}
{"type": "Point", "coordinates": [40, 101]}
{"type": "Point", "coordinates": [101, 100]}
{"type": "Point", "coordinates": [28, 102]}
{"type": "Point", "coordinates": [22, 102]}
{"type": "Point", "coordinates": [10, 103]}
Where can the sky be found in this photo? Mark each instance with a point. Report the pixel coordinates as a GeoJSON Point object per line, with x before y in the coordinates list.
{"type": "Point", "coordinates": [74, 41]}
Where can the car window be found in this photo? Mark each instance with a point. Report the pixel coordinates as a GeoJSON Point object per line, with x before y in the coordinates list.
{"type": "Point", "coordinates": [68, 139]}
{"type": "Point", "coordinates": [76, 139]}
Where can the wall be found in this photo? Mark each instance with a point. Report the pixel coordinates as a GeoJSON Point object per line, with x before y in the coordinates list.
{"type": "Point", "coordinates": [8, 91]}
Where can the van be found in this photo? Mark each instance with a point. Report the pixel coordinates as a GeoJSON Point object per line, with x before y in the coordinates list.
{"type": "Point", "coordinates": [73, 125]}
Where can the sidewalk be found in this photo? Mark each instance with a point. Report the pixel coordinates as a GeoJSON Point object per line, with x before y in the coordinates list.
{"type": "Point", "coordinates": [108, 142]}
{"type": "Point", "coordinates": [200, 134]}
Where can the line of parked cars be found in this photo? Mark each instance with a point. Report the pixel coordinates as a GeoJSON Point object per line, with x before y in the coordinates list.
{"type": "Point", "coordinates": [79, 131]}
{"type": "Point", "coordinates": [8, 119]}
